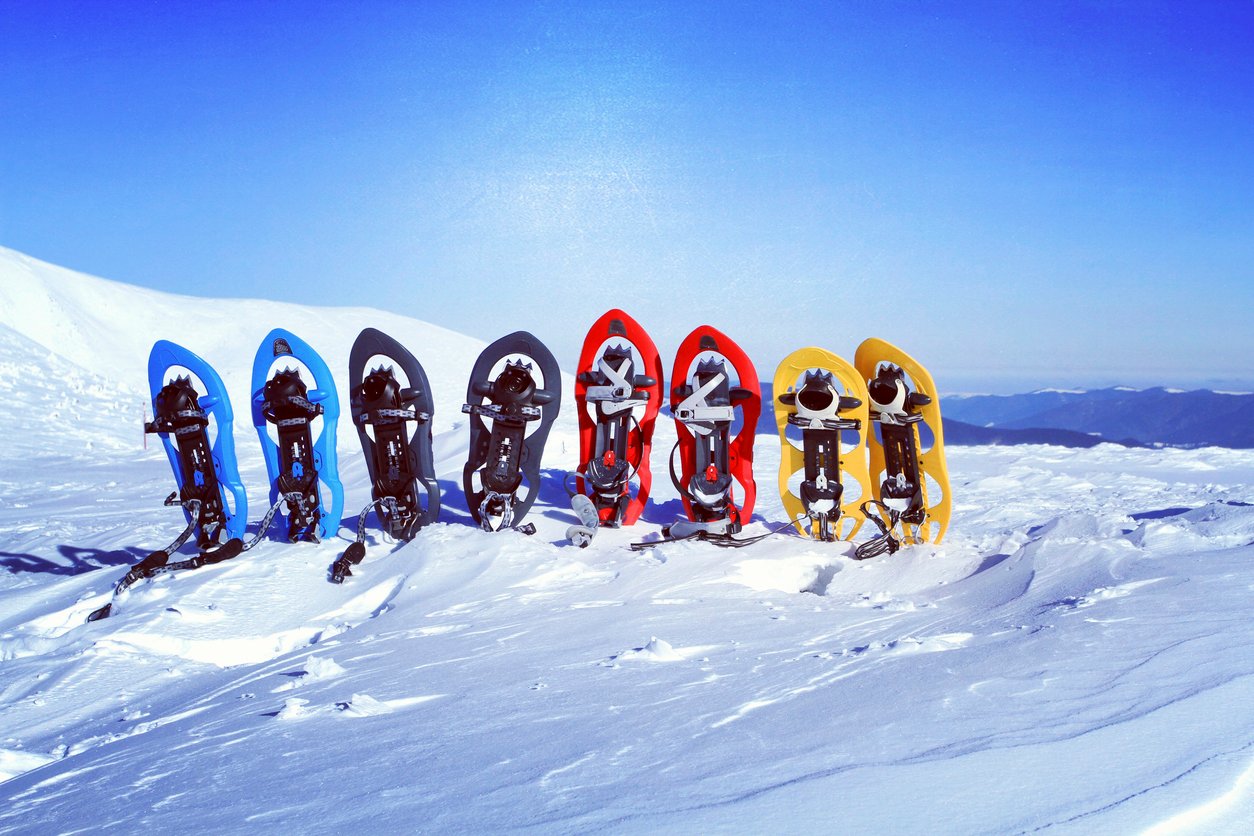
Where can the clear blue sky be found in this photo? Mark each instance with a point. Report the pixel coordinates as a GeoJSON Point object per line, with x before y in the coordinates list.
{"type": "Point", "coordinates": [1020, 194]}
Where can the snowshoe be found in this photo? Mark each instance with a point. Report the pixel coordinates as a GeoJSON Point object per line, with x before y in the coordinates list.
{"type": "Point", "coordinates": [301, 464]}
{"type": "Point", "coordinates": [401, 463]}
{"type": "Point", "coordinates": [182, 417]}
{"type": "Point", "coordinates": [821, 414]}
{"type": "Point", "coordinates": [503, 392]}
{"type": "Point", "coordinates": [711, 379]}
{"type": "Point", "coordinates": [400, 460]}
{"type": "Point", "coordinates": [908, 475]}
{"type": "Point", "coordinates": [618, 392]}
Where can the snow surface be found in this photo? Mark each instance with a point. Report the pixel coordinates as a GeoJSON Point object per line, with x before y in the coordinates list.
{"type": "Point", "coordinates": [1076, 657]}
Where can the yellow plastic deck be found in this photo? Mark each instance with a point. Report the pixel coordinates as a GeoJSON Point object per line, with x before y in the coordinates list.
{"type": "Point", "coordinates": [868, 358]}
{"type": "Point", "coordinates": [853, 462]}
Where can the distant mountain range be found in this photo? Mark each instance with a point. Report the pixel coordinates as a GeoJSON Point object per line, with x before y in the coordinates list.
{"type": "Point", "coordinates": [962, 433]}
{"type": "Point", "coordinates": [1134, 417]}
{"type": "Point", "coordinates": [1086, 418]}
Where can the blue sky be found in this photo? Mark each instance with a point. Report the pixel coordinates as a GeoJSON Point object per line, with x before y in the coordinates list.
{"type": "Point", "coordinates": [1018, 194]}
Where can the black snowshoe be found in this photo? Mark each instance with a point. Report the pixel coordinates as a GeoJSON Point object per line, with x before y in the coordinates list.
{"type": "Point", "coordinates": [400, 460]}
{"type": "Point", "coordinates": [502, 456]}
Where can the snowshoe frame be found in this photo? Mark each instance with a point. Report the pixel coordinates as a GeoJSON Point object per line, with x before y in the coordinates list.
{"type": "Point", "coordinates": [610, 388]}
{"type": "Point", "coordinates": [204, 471]}
{"type": "Point", "coordinates": [298, 463]}
{"type": "Point", "coordinates": [511, 400]}
{"type": "Point", "coordinates": [401, 464]}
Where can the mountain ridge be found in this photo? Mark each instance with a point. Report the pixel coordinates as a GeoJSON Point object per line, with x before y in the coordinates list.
{"type": "Point", "coordinates": [1153, 416]}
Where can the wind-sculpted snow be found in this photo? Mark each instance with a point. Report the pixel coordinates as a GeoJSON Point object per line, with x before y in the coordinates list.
{"type": "Point", "coordinates": [55, 407]}
{"type": "Point", "coordinates": [1074, 658]}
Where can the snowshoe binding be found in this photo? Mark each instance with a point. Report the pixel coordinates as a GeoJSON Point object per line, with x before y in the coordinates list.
{"type": "Point", "coordinates": [301, 464]}
{"type": "Point", "coordinates": [393, 420]}
{"type": "Point", "coordinates": [618, 392]}
{"type": "Point", "coordinates": [910, 480]}
{"type": "Point", "coordinates": [182, 416]}
{"type": "Point", "coordinates": [713, 378]}
{"type": "Point", "coordinates": [504, 454]}
{"type": "Point", "coordinates": [821, 414]}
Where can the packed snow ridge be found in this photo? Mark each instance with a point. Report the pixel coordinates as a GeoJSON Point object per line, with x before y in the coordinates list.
{"type": "Point", "coordinates": [1073, 657]}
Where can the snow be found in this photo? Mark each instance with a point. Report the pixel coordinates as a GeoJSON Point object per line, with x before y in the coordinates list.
{"type": "Point", "coordinates": [1075, 656]}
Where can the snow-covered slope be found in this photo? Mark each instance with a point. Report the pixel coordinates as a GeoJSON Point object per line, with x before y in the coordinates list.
{"type": "Point", "coordinates": [1075, 656]}
{"type": "Point", "coordinates": [107, 328]}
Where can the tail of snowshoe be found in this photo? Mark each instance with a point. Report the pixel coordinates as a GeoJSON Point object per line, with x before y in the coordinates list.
{"type": "Point", "coordinates": [821, 414]}
{"type": "Point", "coordinates": [504, 390]}
{"type": "Point", "coordinates": [713, 378]}
{"type": "Point", "coordinates": [299, 463]}
{"type": "Point", "coordinates": [910, 481]}
{"type": "Point", "coordinates": [618, 392]}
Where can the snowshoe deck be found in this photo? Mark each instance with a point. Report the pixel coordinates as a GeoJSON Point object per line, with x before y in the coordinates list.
{"type": "Point", "coordinates": [400, 462]}
{"type": "Point", "coordinates": [900, 466]}
{"type": "Point", "coordinates": [823, 398]}
{"type": "Point", "coordinates": [618, 393]}
{"type": "Point", "coordinates": [299, 465]}
{"type": "Point", "coordinates": [504, 455]}
{"type": "Point", "coordinates": [713, 377]}
{"type": "Point", "coordinates": [205, 471]}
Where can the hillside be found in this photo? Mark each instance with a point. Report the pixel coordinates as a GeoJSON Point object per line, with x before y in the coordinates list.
{"type": "Point", "coordinates": [959, 433]}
